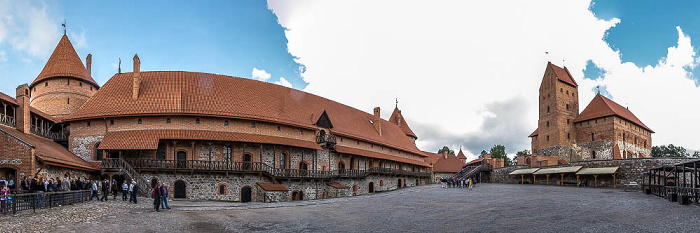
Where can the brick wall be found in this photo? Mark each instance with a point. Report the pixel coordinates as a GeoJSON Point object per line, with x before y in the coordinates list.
{"type": "Point", "coordinates": [53, 98]}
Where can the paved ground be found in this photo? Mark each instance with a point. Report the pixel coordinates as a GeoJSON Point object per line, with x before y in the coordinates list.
{"type": "Point", "coordinates": [487, 208]}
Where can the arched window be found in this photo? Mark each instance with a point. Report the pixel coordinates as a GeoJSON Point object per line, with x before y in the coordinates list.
{"type": "Point", "coordinates": [160, 153]}
{"type": "Point", "coordinates": [227, 153]}
{"type": "Point", "coordinates": [98, 153]}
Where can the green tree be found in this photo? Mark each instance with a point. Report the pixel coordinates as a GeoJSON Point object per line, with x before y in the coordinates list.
{"type": "Point", "coordinates": [696, 154]}
{"type": "Point", "coordinates": [499, 152]}
{"type": "Point", "coordinates": [669, 151]}
{"type": "Point", "coordinates": [483, 152]}
{"type": "Point", "coordinates": [445, 148]}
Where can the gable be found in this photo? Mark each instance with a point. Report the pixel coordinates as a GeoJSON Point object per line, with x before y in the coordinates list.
{"type": "Point", "coordinates": [323, 121]}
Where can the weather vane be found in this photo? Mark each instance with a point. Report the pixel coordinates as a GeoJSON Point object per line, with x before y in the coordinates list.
{"type": "Point", "coordinates": [120, 66]}
{"type": "Point", "coordinates": [397, 102]}
{"type": "Point", "coordinates": [598, 88]}
{"type": "Point", "coordinates": [64, 26]}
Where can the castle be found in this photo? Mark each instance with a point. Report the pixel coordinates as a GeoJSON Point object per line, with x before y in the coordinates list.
{"type": "Point", "coordinates": [604, 130]}
{"type": "Point", "coordinates": [207, 136]}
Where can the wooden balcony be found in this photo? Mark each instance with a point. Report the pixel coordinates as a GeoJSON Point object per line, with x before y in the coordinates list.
{"type": "Point", "coordinates": [7, 120]}
{"type": "Point", "coordinates": [352, 173]}
{"type": "Point", "coordinates": [49, 134]}
{"type": "Point", "coordinates": [326, 140]}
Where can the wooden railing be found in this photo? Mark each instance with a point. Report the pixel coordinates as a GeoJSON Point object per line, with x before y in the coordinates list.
{"type": "Point", "coordinates": [7, 120]}
{"type": "Point", "coordinates": [244, 167]}
{"type": "Point", "coordinates": [48, 134]}
{"type": "Point", "coordinates": [471, 171]}
{"type": "Point", "coordinates": [326, 140]}
{"type": "Point", "coordinates": [127, 169]}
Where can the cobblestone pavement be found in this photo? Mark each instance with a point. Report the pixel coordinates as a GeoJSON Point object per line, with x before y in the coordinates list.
{"type": "Point", "coordinates": [487, 208]}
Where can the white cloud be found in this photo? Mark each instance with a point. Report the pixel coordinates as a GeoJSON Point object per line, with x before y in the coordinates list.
{"type": "Point", "coordinates": [3, 56]}
{"type": "Point", "coordinates": [284, 82]}
{"type": "Point", "coordinates": [260, 74]}
{"type": "Point", "coordinates": [454, 64]}
{"type": "Point", "coordinates": [79, 40]}
{"type": "Point", "coordinates": [28, 28]}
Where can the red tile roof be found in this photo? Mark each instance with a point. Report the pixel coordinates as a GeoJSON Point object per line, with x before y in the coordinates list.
{"type": "Point", "coordinates": [64, 62]}
{"type": "Point", "coordinates": [396, 117]}
{"type": "Point", "coordinates": [49, 151]}
{"type": "Point", "coordinates": [338, 185]}
{"type": "Point", "coordinates": [563, 74]}
{"type": "Point", "coordinates": [534, 133]}
{"type": "Point", "coordinates": [377, 155]}
{"type": "Point", "coordinates": [272, 187]}
{"type": "Point", "coordinates": [601, 106]}
{"type": "Point", "coordinates": [475, 161]}
{"type": "Point", "coordinates": [148, 139]}
{"type": "Point", "coordinates": [461, 155]}
{"type": "Point", "coordinates": [202, 94]}
{"type": "Point", "coordinates": [442, 164]}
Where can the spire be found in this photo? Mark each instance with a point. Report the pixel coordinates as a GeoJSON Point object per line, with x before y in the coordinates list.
{"type": "Point", "coordinates": [64, 62]}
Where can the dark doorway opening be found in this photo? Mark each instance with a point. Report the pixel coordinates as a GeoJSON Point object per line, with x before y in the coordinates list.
{"type": "Point", "coordinates": [246, 161]}
{"type": "Point", "coordinates": [246, 194]}
{"type": "Point", "coordinates": [398, 184]}
{"type": "Point", "coordinates": [180, 189]}
{"type": "Point", "coordinates": [181, 159]}
{"type": "Point", "coordinates": [370, 187]}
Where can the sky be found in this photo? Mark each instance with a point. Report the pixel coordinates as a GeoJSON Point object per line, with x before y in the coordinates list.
{"type": "Point", "coordinates": [465, 73]}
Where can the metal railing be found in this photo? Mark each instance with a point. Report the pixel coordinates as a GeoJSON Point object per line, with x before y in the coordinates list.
{"type": "Point", "coordinates": [47, 200]}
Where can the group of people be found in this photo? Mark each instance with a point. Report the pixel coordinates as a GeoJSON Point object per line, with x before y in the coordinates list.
{"type": "Point", "coordinates": [457, 183]}
{"type": "Point", "coordinates": [160, 197]}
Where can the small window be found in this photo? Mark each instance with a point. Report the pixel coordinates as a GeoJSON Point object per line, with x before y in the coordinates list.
{"type": "Point", "coordinates": [88, 124]}
{"type": "Point", "coordinates": [167, 120]}
{"type": "Point", "coordinates": [572, 94]}
{"type": "Point", "coordinates": [91, 88]}
{"type": "Point", "coordinates": [196, 121]}
{"type": "Point", "coordinates": [593, 154]}
{"type": "Point", "coordinates": [547, 137]}
{"type": "Point", "coordinates": [381, 183]}
{"type": "Point", "coordinates": [358, 142]}
{"type": "Point", "coordinates": [252, 125]}
{"type": "Point", "coordinates": [301, 132]}
{"type": "Point", "coordinates": [547, 109]}
{"type": "Point", "coordinates": [69, 82]}
{"type": "Point", "coordinates": [547, 123]}
{"type": "Point", "coordinates": [34, 89]}
{"type": "Point", "coordinates": [46, 84]}
{"type": "Point", "coordinates": [567, 106]}
{"type": "Point", "coordinates": [341, 139]}
{"type": "Point", "coordinates": [279, 128]}
{"type": "Point", "coordinates": [567, 92]}
{"type": "Point", "coordinates": [111, 122]}
{"type": "Point", "coordinates": [68, 100]}
{"type": "Point", "coordinates": [561, 90]}
{"type": "Point", "coordinates": [568, 121]}
{"type": "Point", "coordinates": [226, 123]}
{"type": "Point", "coordinates": [596, 121]}
{"type": "Point", "coordinates": [140, 121]}
{"type": "Point", "coordinates": [592, 137]}
{"type": "Point", "coordinates": [222, 189]}
{"type": "Point", "coordinates": [568, 135]}
{"type": "Point", "coordinates": [80, 84]}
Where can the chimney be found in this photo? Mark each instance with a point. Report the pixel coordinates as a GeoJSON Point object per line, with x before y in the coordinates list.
{"type": "Point", "coordinates": [445, 154]}
{"type": "Point", "coordinates": [377, 121]}
{"type": "Point", "coordinates": [137, 76]}
{"type": "Point", "coordinates": [88, 63]}
{"type": "Point", "coordinates": [23, 117]}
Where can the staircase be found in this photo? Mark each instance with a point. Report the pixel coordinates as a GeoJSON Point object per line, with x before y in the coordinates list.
{"type": "Point", "coordinates": [471, 172]}
{"type": "Point", "coordinates": [125, 168]}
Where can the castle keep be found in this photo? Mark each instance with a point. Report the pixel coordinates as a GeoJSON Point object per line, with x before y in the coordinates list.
{"type": "Point", "coordinates": [603, 130]}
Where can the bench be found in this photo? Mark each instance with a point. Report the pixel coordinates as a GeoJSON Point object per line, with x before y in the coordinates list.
{"type": "Point", "coordinates": [632, 184]}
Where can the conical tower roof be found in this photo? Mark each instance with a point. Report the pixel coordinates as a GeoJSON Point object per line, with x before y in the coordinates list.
{"type": "Point", "coordinates": [64, 62]}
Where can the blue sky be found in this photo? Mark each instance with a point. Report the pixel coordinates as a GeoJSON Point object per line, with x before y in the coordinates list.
{"type": "Point", "coordinates": [226, 37]}
{"type": "Point", "coordinates": [443, 60]}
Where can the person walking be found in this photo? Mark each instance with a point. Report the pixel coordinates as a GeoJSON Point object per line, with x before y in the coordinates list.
{"type": "Point", "coordinates": [164, 199]}
{"type": "Point", "coordinates": [134, 191]}
{"type": "Point", "coordinates": [65, 185]}
{"type": "Point", "coordinates": [95, 191]}
{"type": "Point", "coordinates": [131, 192]}
{"type": "Point", "coordinates": [125, 190]}
{"type": "Point", "coordinates": [157, 194]}
{"type": "Point", "coordinates": [4, 192]}
{"type": "Point", "coordinates": [115, 189]}
{"type": "Point", "coordinates": [40, 189]}
{"type": "Point", "coordinates": [470, 184]}
{"type": "Point", "coordinates": [105, 190]}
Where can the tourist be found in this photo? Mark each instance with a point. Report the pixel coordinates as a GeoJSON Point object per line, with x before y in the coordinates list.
{"type": "Point", "coordinates": [115, 189]}
{"type": "Point", "coordinates": [32, 184]}
{"type": "Point", "coordinates": [24, 185]}
{"type": "Point", "coordinates": [125, 190]}
{"type": "Point", "coordinates": [65, 185]}
{"type": "Point", "coordinates": [11, 184]}
{"type": "Point", "coordinates": [164, 199]}
{"type": "Point", "coordinates": [4, 192]}
{"type": "Point", "coordinates": [134, 191]}
{"type": "Point", "coordinates": [157, 194]}
{"type": "Point", "coordinates": [470, 184]}
{"type": "Point", "coordinates": [51, 187]}
{"type": "Point", "coordinates": [105, 190]}
{"type": "Point", "coordinates": [95, 190]}
{"type": "Point", "coordinates": [131, 191]}
{"type": "Point", "coordinates": [40, 189]}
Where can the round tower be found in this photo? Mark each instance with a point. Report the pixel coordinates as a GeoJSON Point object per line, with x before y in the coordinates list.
{"type": "Point", "coordinates": [64, 84]}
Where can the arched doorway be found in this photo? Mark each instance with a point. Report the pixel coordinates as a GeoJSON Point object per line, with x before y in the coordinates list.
{"type": "Point", "coordinates": [297, 195]}
{"type": "Point", "coordinates": [154, 182]}
{"type": "Point", "coordinates": [246, 194]}
{"type": "Point", "coordinates": [398, 184]}
{"type": "Point", "coordinates": [370, 187]}
{"type": "Point", "coordinates": [181, 159]}
{"type": "Point", "coordinates": [527, 160]}
{"type": "Point", "coordinates": [246, 161]}
{"type": "Point", "coordinates": [354, 190]}
{"type": "Point", "coordinates": [180, 189]}
{"type": "Point", "coordinates": [8, 174]}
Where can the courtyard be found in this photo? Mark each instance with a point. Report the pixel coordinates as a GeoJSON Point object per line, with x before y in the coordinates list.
{"type": "Point", "coordinates": [486, 208]}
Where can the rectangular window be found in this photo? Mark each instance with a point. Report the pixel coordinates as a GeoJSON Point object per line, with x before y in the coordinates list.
{"type": "Point", "coordinates": [111, 122]}
{"type": "Point", "coordinates": [167, 120]}
{"type": "Point", "coordinates": [252, 125]}
{"type": "Point", "coordinates": [592, 137]}
{"type": "Point", "coordinates": [88, 124]}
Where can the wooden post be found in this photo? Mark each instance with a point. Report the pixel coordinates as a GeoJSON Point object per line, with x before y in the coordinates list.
{"type": "Point", "coordinates": [522, 179]}
{"type": "Point", "coordinates": [562, 179]}
{"type": "Point", "coordinates": [614, 181]}
{"type": "Point", "coordinates": [577, 182]}
{"type": "Point", "coordinates": [547, 179]}
{"type": "Point", "coordinates": [534, 179]}
{"type": "Point", "coordinates": [595, 181]}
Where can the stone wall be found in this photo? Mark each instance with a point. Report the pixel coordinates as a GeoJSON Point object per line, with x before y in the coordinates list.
{"type": "Point", "coordinates": [630, 170]}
